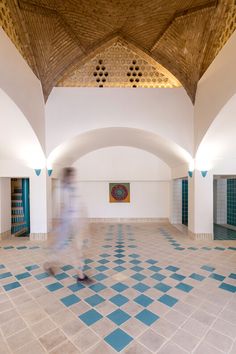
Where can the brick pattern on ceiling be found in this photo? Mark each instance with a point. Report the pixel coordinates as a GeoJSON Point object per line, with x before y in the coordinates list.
{"type": "Point", "coordinates": [56, 36]}
{"type": "Point", "coordinates": [118, 66]}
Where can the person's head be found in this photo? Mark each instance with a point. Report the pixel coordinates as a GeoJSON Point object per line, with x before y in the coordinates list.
{"type": "Point", "coordinates": [68, 175]}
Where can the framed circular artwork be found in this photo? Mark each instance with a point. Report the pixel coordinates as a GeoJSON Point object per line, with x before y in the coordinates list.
{"type": "Point", "coordinates": [119, 192]}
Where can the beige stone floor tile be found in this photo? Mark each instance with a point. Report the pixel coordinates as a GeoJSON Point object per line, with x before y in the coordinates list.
{"type": "Point", "coordinates": [203, 317]}
{"type": "Point", "coordinates": [66, 348]}
{"type": "Point", "coordinates": [205, 348]}
{"type": "Point", "coordinates": [218, 340]}
{"type": "Point", "coordinates": [52, 339]}
{"type": "Point", "coordinates": [34, 316]}
{"type": "Point", "coordinates": [101, 348]}
{"type": "Point", "coordinates": [86, 339]}
{"type": "Point", "coordinates": [185, 340]}
{"type": "Point", "coordinates": [19, 339]}
{"type": "Point", "coordinates": [133, 327]}
{"type": "Point", "coordinates": [164, 328]}
{"type": "Point", "coordinates": [73, 327]}
{"type": "Point", "coordinates": [225, 328]}
{"type": "Point", "coordinates": [151, 340]}
{"type": "Point", "coordinates": [33, 347]}
{"type": "Point", "coordinates": [11, 327]}
{"type": "Point", "coordinates": [103, 327]}
{"type": "Point", "coordinates": [4, 349]}
{"type": "Point", "coordinates": [136, 348]}
{"type": "Point", "coordinates": [42, 327]}
{"type": "Point", "coordinates": [175, 317]}
{"type": "Point", "coordinates": [8, 316]}
{"type": "Point", "coordinates": [171, 348]}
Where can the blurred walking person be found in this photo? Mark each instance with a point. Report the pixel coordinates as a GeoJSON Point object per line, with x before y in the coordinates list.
{"type": "Point", "coordinates": [72, 229]}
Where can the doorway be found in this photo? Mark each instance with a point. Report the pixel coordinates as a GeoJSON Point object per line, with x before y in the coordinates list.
{"type": "Point", "coordinates": [20, 207]}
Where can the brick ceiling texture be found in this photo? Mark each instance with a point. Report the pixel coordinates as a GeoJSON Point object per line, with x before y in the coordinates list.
{"type": "Point", "coordinates": [119, 43]}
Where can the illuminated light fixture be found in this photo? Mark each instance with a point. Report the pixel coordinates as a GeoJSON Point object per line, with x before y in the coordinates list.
{"type": "Point", "coordinates": [37, 171]}
{"type": "Point", "coordinates": [49, 172]}
{"type": "Point", "coordinates": [204, 173]}
{"type": "Point", "coordinates": [190, 173]}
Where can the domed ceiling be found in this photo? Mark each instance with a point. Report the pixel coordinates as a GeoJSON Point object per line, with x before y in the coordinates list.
{"type": "Point", "coordinates": [119, 43]}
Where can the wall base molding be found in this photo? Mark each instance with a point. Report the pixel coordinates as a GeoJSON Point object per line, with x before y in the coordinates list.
{"type": "Point", "coordinates": [200, 236]}
{"type": "Point", "coordinates": [38, 237]}
{"type": "Point", "coordinates": [128, 220]}
{"type": "Point", "coordinates": [5, 235]}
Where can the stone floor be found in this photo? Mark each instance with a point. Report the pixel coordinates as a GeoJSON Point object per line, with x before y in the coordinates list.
{"type": "Point", "coordinates": [153, 291]}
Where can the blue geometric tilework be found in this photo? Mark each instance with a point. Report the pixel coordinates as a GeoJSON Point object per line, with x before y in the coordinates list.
{"type": "Point", "coordinates": [126, 286]}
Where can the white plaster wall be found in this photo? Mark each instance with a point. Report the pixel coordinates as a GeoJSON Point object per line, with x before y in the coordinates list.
{"type": "Point", "coordinates": [149, 179]}
{"type": "Point", "coordinates": [5, 204]}
{"type": "Point", "coordinates": [220, 201]}
{"type": "Point", "coordinates": [20, 83]}
{"type": "Point", "coordinates": [176, 217]}
{"type": "Point", "coordinates": [77, 110]}
{"type": "Point", "coordinates": [124, 163]}
{"type": "Point", "coordinates": [147, 200]}
{"type": "Point", "coordinates": [214, 89]}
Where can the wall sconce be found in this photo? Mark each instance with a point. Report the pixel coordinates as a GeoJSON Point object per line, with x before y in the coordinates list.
{"type": "Point", "coordinates": [190, 173]}
{"type": "Point", "coordinates": [204, 173]}
{"type": "Point", "coordinates": [49, 172]}
{"type": "Point", "coordinates": [37, 171]}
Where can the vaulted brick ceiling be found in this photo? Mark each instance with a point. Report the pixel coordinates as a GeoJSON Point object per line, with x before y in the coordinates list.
{"type": "Point", "coordinates": [178, 39]}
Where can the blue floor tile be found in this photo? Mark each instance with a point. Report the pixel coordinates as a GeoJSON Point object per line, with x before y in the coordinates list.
{"type": "Point", "coordinates": [118, 317]}
{"type": "Point", "coordinates": [184, 287]}
{"type": "Point", "coordinates": [90, 317]}
{"type": "Point", "coordinates": [23, 276]}
{"type": "Point", "coordinates": [158, 276]}
{"type": "Point", "coordinates": [11, 286]}
{"type": "Point", "coordinates": [228, 287]}
{"type": "Point", "coordinates": [67, 267]}
{"type": "Point", "coordinates": [103, 261]}
{"type": "Point", "coordinates": [119, 287]}
{"type": "Point", "coordinates": [100, 276]}
{"type": "Point", "coordinates": [151, 261]}
{"type": "Point", "coordinates": [76, 287]}
{"type": "Point", "coordinates": [172, 269]}
{"type": "Point", "coordinates": [141, 287]}
{"type": "Point", "coordinates": [197, 277]}
{"type": "Point", "coordinates": [97, 287]}
{"type": "Point", "coordinates": [168, 300]}
{"type": "Point", "coordinates": [137, 269]}
{"type": "Point", "coordinates": [94, 300]}
{"type": "Point", "coordinates": [134, 255]}
{"type": "Point", "coordinates": [147, 317]}
{"type": "Point", "coordinates": [143, 300]}
{"type": "Point", "coordinates": [32, 267]}
{"type": "Point", "coordinates": [42, 276]}
{"type": "Point", "coordinates": [232, 275]}
{"type": "Point", "coordinates": [5, 275]}
{"type": "Point", "coordinates": [105, 255]}
{"type": "Point", "coordinates": [54, 286]}
{"type": "Point", "coordinates": [178, 277]}
{"type": "Point", "coordinates": [135, 261]}
{"type": "Point", "coordinates": [138, 276]}
{"type": "Point", "coordinates": [118, 339]}
{"type": "Point", "coordinates": [2, 266]}
{"type": "Point", "coordinates": [217, 277]}
{"type": "Point", "coordinates": [119, 300]}
{"type": "Point", "coordinates": [155, 268]}
{"type": "Point", "coordinates": [102, 268]}
{"type": "Point", "coordinates": [162, 287]}
{"type": "Point", "coordinates": [119, 269]}
{"type": "Point", "coordinates": [119, 261]}
{"type": "Point", "coordinates": [208, 268]}
{"type": "Point", "coordinates": [61, 276]}
{"type": "Point", "coordinates": [70, 300]}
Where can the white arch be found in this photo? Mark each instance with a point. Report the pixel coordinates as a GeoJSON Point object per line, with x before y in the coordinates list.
{"type": "Point", "coordinates": [18, 140]}
{"type": "Point", "coordinates": [19, 82]}
{"type": "Point", "coordinates": [69, 151]}
{"type": "Point", "coordinates": [215, 89]}
{"type": "Point", "coordinates": [219, 141]}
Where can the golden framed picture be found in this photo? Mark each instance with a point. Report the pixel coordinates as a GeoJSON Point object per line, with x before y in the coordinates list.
{"type": "Point", "coordinates": [119, 192]}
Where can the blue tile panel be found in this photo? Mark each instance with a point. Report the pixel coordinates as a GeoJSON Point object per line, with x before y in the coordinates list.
{"type": "Point", "coordinates": [94, 300]}
{"type": "Point", "coordinates": [11, 286]}
{"type": "Point", "coordinates": [185, 201]}
{"type": "Point", "coordinates": [168, 300]}
{"type": "Point", "coordinates": [118, 317]}
{"type": "Point", "coordinates": [119, 300]}
{"type": "Point", "coordinates": [231, 201]}
{"type": "Point", "coordinates": [147, 317]}
{"type": "Point", "coordinates": [118, 339]}
{"type": "Point", "coordinates": [70, 300]}
{"type": "Point", "coordinates": [90, 317]}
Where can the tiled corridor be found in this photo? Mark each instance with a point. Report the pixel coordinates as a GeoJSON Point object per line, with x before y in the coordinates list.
{"type": "Point", "coordinates": [153, 291]}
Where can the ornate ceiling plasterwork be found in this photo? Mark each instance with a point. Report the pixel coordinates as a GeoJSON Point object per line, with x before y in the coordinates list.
{"type": "Point", "coordinates": [63, 39]}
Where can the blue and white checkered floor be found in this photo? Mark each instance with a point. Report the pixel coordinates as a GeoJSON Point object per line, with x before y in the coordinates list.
{"type": "Point", "coordinates": [154, 291]}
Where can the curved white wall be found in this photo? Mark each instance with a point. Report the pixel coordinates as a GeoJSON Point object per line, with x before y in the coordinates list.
{"type": "Point", "coordinates": [149, 179]}
{"type": "Point", "coordinates": [215, 88]}
{"type": "Point", "coordinates": [72, 111]}
{"type": "Point", "coordinates": [22, 86]}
